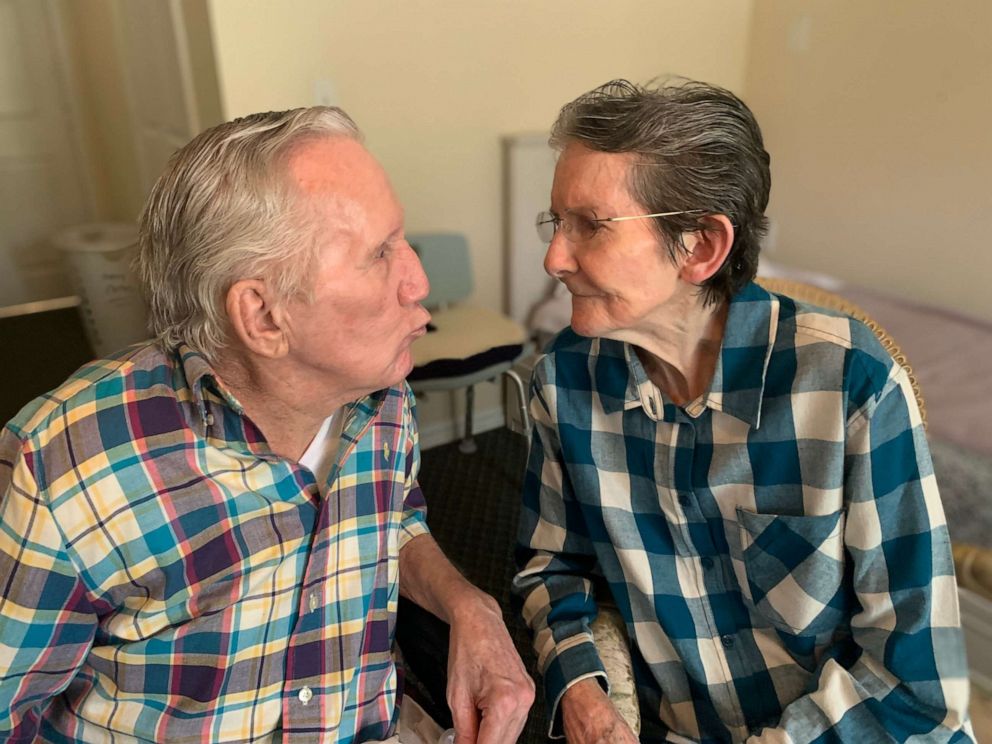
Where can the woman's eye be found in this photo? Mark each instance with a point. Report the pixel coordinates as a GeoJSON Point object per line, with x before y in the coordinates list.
{"type": "Point", "coordinates": [585, 226]}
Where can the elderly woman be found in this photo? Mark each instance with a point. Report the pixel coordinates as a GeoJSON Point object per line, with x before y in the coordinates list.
{"type": "Point", "coordinates": [746, 477]}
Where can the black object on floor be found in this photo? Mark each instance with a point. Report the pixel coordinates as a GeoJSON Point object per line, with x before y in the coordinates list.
{"type": "Point", "coordinates": [423, 641]}
{"type": "Point", "coordinates": [473, 506]}
{"type": "Point", "coordinates": [40, 350]}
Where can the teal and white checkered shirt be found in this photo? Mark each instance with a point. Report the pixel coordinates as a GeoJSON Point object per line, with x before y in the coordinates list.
{"type": "Point", "coordinates": [777, 547]}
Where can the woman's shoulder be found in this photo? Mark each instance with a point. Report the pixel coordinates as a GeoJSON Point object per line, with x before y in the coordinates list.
{"type": "Point", "coordinates": [568, 340]}
{"type": "Point", "coordinates": [836, 348]}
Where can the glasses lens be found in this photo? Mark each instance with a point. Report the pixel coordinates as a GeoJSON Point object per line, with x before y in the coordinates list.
{"type": "Point", "coordinates": [584, 226]}
{"type": "Point", "coordinates": [546, 226]}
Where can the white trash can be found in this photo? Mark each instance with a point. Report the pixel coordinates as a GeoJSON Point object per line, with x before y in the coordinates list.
{"type": "Point", "coordinates": [99, 258]}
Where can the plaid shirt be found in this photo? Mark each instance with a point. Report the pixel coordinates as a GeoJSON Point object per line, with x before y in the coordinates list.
{"type": "Point", "coordinates": [166, 577]}
{"type": "Point", "coordinates": [777, 546]}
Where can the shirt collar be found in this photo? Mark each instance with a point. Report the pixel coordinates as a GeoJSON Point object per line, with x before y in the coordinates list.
{"type": "Point", "coordinates": [202, 380]}
{"type": "Point", "coordinates": [738, 385]}
{"type": "Point", "coordinates": [200, 377]}
{"type": "Point", "coordinates": [739, 378]}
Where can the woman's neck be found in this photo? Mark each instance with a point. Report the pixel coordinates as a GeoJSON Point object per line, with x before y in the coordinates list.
{"type": "Point", "coordinates": [680, 349]}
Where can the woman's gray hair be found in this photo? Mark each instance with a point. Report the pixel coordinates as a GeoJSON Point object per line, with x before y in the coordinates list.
{"type": "Point", "coordinates": [696, 147]}
{"type": "Point", "coordinates": [225, 210]}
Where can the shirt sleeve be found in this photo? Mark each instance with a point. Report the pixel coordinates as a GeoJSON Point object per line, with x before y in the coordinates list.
{"type": "Point", "coordinates": [904, 672]}
{"type": "Point", "coordinates": [47, 624]}
{"type": "Point", "coordinates": [414, 520]}
{"type": "Point", "coordinates": [556, 561]}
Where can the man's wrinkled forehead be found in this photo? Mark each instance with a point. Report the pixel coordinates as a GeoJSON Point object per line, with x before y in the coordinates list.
{"type": "Point", "coordinates": [330, 164]}
{"type": "Point", "coordinates": [342, 185]}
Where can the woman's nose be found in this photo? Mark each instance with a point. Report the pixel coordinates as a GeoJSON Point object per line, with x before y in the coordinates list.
{"type": "Point", "coordinates": [559, 260]}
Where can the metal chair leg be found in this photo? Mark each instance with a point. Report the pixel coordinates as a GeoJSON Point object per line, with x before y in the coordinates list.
{"type": "Point", "coordinates": [468, 446]}
{"type": "Point", "coordinates": [521, 401]}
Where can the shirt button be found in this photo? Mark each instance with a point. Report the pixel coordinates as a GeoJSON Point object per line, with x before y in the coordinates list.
{"type": "Point", "coordinates": [313, 601]}
{"type": "Point", "coordinates": [306, 695]}
{"type": "Point", "coordinates": [385, 451]}
{"type": "Point", "coordinates": [707, 562]}
{"type": "Point", "coordinates": [209, 419]}
{"type": "Point", "coordinates": [727, 641]}
{"type": "Point", "coordinates": [685, 499]}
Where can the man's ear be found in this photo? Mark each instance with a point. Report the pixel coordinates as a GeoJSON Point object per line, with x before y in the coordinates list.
{"type": "Point", "coordinates": [708, 250]}
{"type": "Point", "coordinates": [257, 320]}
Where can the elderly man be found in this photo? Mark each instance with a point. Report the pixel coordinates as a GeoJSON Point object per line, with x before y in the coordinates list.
{"type": "Point", "coordinates": [205, 537]}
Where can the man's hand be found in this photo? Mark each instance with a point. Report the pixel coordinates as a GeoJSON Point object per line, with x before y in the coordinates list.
{"type": "Point", "coordinates": [590, 718]}
{"type": "Point", "coordinates": [489, 691]}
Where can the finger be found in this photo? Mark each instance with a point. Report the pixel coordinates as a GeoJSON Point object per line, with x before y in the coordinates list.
{"type": "Point", "coordinates": [500, 730]}
{"type": "Point", "coordinates": [465, 719]}
{"type": "Point", "coordinates": [503, 720]}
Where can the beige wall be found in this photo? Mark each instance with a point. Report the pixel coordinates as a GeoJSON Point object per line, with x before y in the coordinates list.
{"type": "Point", "coordinates": [435, 83]}
{"type": "Point", "coordinates": [877, 116]}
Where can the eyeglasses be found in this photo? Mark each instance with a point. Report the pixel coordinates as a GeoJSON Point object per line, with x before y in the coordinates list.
{"type": "Point", "coordinates": [580, 227]}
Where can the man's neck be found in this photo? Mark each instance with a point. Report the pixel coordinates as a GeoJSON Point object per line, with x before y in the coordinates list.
{"type": "Point", "coordinates": [287, 408]}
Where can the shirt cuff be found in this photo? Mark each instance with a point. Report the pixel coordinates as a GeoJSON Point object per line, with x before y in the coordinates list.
{"type": "Point", "coordinates": [567, 667]}
{"type": "Point", "coordinates": [413, 524]}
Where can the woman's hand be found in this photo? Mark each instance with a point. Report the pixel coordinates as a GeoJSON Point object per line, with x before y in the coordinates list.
{"type": "Point", "coordinates": [590, 718]}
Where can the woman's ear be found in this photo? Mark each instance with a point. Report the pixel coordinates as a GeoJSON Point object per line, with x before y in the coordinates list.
{"type": "Point", "coordinates": [708, 249]}
{"type": "Point", "coordinates": [257, 320]}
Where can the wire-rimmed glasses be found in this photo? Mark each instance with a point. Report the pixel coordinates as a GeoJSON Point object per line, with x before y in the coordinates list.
{"type": "Point", "coordinates": [579, 227]}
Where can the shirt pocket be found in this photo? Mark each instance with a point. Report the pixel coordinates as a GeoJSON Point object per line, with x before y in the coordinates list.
{"type": "Point", "coordinates": [792, 569]}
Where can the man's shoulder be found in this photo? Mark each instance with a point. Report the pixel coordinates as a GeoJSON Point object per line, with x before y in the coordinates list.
{"type": "Point", "coordinates": [123, 379]}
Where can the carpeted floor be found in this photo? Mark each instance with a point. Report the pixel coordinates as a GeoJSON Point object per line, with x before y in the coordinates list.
{"type": "Point", "coordinates": [473, 503]}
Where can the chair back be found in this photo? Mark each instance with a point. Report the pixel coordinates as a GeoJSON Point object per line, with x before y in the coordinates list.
{"type": "Point", "coordinates": [446, 262]}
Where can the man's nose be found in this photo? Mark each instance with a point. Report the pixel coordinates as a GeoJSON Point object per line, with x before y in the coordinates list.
{"type": "Point", "coordinates": [415, 285]}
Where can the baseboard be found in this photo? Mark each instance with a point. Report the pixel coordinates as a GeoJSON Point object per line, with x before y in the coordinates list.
{"type": "Point", "coordinates": [450, 430]}
{"type": "Point", "coordinates": [976, 622]}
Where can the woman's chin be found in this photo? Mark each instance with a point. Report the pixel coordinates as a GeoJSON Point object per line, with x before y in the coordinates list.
{"type": "Point", "coordinates": [586, 326]}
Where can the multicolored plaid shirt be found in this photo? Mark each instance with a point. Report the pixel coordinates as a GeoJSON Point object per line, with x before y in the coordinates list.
{"type": "Point", "coordinates": [166, 577]}
{"type": "Point", "coordinates": [777, 547]}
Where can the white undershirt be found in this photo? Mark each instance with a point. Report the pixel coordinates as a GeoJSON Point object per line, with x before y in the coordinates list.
{"type": "Point", "coordinates": [320, 453]}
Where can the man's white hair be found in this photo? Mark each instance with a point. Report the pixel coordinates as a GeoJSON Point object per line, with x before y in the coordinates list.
{"type": "Point", "coordinates": [225, 210]}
